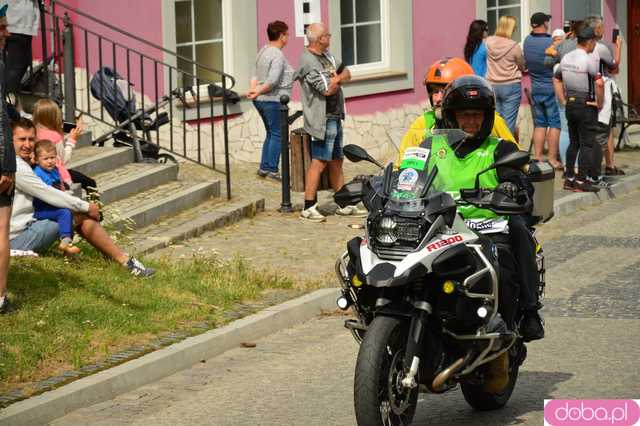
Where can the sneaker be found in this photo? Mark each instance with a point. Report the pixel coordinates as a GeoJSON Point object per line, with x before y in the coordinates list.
{"type": "Point", "coordinates": [138, 269]}
{"type": "Point", "coordinates": [568, 184]}
{"type": "Point", "coordinates": [262, 173]}
{"type": "Point", "coordinates": [600, 183]}
{"type": "Point", "coordinates": [274, 176]}
{"type": "Point", "coordinates": [531, 326]}
{"type": "Point", "coordinates": [584, 186]}
{"type": "Point", "coordinates": [353, 211]}
{"type": "Point", "coordinates": [5, 307]}
{"type": "Point", "coordinates": [312, 214]}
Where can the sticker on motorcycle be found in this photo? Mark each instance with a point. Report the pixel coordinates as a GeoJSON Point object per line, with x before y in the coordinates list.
{"type": "Point", "coordinates": [407, 179]}
{"type": "Point", "coordinates": [437, 245]}
{"type": "Point", "coordinates": [415, 158]}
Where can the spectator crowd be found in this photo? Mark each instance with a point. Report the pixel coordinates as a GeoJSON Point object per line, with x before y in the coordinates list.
{"type": "Point", "coordinates": [36, 202]}
{"type": "Point", "coordinates": [571, 90]}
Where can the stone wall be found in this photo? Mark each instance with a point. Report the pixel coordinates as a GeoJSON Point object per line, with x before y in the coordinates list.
{"type": "Point", "coordinates": [378, 133]}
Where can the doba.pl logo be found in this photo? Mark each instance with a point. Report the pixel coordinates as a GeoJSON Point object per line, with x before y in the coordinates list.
{"type": "Point", "coordinates": [599, 412]}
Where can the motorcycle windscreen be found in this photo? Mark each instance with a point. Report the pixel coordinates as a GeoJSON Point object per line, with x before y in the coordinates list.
{"type": "Point", "coordinates": [411, 184]}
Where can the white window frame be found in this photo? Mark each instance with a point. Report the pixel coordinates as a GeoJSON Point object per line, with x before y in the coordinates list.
{"type": "Point", "coordinates": [524, 20]}
{"type": "Point", "coordinates": [193, 43]}
{"type": "Point", "coordinates": [395, 72]}
{"type": "Point", "coordinates": [235, 14]}
{"type": "Point", "coordinates": [385, 44]}
{"type": "Point", "coordinates": [227, 40]}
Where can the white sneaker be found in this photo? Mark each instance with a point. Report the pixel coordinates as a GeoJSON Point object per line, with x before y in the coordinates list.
{"type": "Point", "coordinates": [312, 214]}
{"type": "Point", "coordinates": [353, 211]}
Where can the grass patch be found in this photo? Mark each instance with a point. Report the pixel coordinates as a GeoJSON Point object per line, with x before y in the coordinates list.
{"type": "Point", "coordinates": [71, 314]}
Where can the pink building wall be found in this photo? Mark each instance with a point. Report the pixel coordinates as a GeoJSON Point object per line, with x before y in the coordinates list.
{"type": "Point", "coordinates": [141, 18]}
{"type": "Point", "coordinates": [442, 37]}
{"type": "Point", "coordinates": [430, 42]}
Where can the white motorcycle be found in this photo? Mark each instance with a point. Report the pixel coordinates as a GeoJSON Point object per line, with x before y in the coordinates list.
{"type": "Point", "coordinates": [424, 290]}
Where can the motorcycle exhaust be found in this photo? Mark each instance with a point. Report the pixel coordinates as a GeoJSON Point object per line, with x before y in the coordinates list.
{"type": "Point", "coordinates": [438, 384]}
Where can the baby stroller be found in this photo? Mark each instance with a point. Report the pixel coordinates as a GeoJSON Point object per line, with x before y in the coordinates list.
{"type": "Point", "coordinates": [113, 91]}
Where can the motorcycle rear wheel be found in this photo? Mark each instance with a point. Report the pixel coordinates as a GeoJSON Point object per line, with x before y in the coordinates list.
{"type": "Point", "coordinates": [379, 397]}
{"type": "Point", "coordinates": [485, 401]}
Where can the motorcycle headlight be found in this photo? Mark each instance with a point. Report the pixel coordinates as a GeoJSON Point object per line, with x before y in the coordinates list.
{"type": "Point", "coordinates": [386, 230]}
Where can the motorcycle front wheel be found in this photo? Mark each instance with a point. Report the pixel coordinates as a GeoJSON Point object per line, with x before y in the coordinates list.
{"type": "Point", "coordinates": [379, 397]}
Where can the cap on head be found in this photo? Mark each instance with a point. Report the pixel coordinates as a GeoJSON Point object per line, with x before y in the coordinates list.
{"type": "Point", "coordinates": [558, 33]}
{"type": "Point", "coordinates": [586, 33]}
{"type": "Point", "coordinates": [539, 18]}
{"type": "Point", "coordinates": [3, 11]}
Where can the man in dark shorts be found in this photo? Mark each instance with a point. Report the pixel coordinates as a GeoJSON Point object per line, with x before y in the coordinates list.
{"type": "Point", "coordinates": [7, 171]}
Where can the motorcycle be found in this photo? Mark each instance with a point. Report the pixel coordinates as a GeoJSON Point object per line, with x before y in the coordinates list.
{"type": "Point", "coordinates": [424, 289]}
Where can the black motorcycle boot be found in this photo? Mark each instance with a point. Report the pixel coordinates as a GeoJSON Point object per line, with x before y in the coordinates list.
{"type": "Point", "coordinates": [531, 326]}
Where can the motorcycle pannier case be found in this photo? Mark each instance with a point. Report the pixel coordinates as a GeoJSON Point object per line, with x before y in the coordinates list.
{"type": "Point", "coordinates": [542, 181]}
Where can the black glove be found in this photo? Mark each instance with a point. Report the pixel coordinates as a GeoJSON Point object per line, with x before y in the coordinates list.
{"type": "Point", "coordinates": [509, 189]}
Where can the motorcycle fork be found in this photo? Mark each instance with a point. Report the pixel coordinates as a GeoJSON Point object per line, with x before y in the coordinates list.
{"type": "Point", "coordinates": [412, 354]}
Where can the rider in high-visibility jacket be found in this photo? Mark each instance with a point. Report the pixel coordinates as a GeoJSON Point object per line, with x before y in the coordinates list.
{"type": "Point", "coordinates": [440, 74]}
{"type": "Point", "coordinates": [469, 104]}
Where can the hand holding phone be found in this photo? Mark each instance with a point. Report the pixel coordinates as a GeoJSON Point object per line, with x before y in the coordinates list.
{"type": "Point", "coordinates": [616, 34]}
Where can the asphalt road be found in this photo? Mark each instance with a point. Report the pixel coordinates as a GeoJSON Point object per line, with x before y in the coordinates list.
{"type": "Point", "coordinates": [304, 375]}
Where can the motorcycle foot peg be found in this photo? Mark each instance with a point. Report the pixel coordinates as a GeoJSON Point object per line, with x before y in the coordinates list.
{"type": "Point", "coordinates": [409, 380]}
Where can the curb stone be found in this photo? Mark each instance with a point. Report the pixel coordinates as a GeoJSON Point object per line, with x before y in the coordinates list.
{"type": "Point", "coordinates": [166, 361]}
{"type": "Point", "coordinates": [575, 201]}
{"type": "Point", "coordinates": [107, 384]}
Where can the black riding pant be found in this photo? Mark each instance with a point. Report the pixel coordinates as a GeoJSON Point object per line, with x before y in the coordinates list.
{"type": "Point", "coordinates": [582, 121]}
{"type": "Point", "coordinates": [18, 60]}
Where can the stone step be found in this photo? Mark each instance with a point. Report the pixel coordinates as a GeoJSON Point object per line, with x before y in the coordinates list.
{"type": "Point", "coordinates": [193, 222]}
{"type": "Point", "coordinates": [133, 178]}
{"type": "Point", "coordinates": [92, 160]}
{"type": "Point", "coordinates": [146, 207]}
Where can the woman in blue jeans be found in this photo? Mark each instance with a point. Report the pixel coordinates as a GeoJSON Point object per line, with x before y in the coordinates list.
{"type": "Point", "coordinates": [505, 63]}
{"type": "Point", "coordinates": [273, 77]}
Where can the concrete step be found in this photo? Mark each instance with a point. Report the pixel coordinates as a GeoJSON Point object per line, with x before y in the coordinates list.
{"type": "Point", "coordinates": [133, 178]}
{"type": "Point", "coordinates": [92, 160]}
{"type": "Point", "coordinates": [193, 222]}
{"type": "Point", "coordinates": [146, 207]}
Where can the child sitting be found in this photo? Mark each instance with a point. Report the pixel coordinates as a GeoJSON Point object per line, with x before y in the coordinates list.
{"type": "Point", "coordinates": [45, 157]}
{"type": "Point", "coordinates": [48, 120]}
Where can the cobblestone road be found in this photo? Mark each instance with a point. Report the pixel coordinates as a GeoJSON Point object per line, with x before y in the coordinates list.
{"type": "Point", "coordinates": [304, 375]}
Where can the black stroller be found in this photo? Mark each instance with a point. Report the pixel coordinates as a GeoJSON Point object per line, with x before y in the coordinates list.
{"type": "Point", "coordinates": [38, 82]}
{"type": "Point", "coordinates": [112, 89]}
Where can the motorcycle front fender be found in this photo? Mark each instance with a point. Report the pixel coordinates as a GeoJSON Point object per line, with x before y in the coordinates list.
{"type": "Point", "coordinates": [382, 275]}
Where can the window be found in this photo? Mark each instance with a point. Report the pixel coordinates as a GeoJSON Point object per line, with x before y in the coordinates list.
{"type": "Point", "coordinates": [199, 37]}
{"type": "Point", "coordinates": [215, 34]}
{"type": "Point", "coordinates": [574, 10]}
{"type": "Point", "coordinates": [498, 8]}
{"type": "Point", "coordinates": [361, 28]}
{"type": "Point", "coordinates": [362, 39]}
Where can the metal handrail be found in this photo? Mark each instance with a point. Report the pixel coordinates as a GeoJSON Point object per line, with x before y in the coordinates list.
{"type": "Point", "coordinates": [139, 39]}
{"type": "Point", "coordinates": [63, 48]}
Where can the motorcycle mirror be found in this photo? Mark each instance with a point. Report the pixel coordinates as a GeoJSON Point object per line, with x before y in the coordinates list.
{"type": "Point", "coordinates": [513, 160]}
{"type": "Point", "coordinates": [355, 154]}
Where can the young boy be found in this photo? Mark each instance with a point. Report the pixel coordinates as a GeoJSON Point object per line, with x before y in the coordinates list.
{"type": "Point", "coordinates": [45, 156]}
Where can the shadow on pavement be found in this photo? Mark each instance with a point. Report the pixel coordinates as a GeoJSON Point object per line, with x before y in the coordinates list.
{"type": "Point", "coordinates": [532, 389]}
